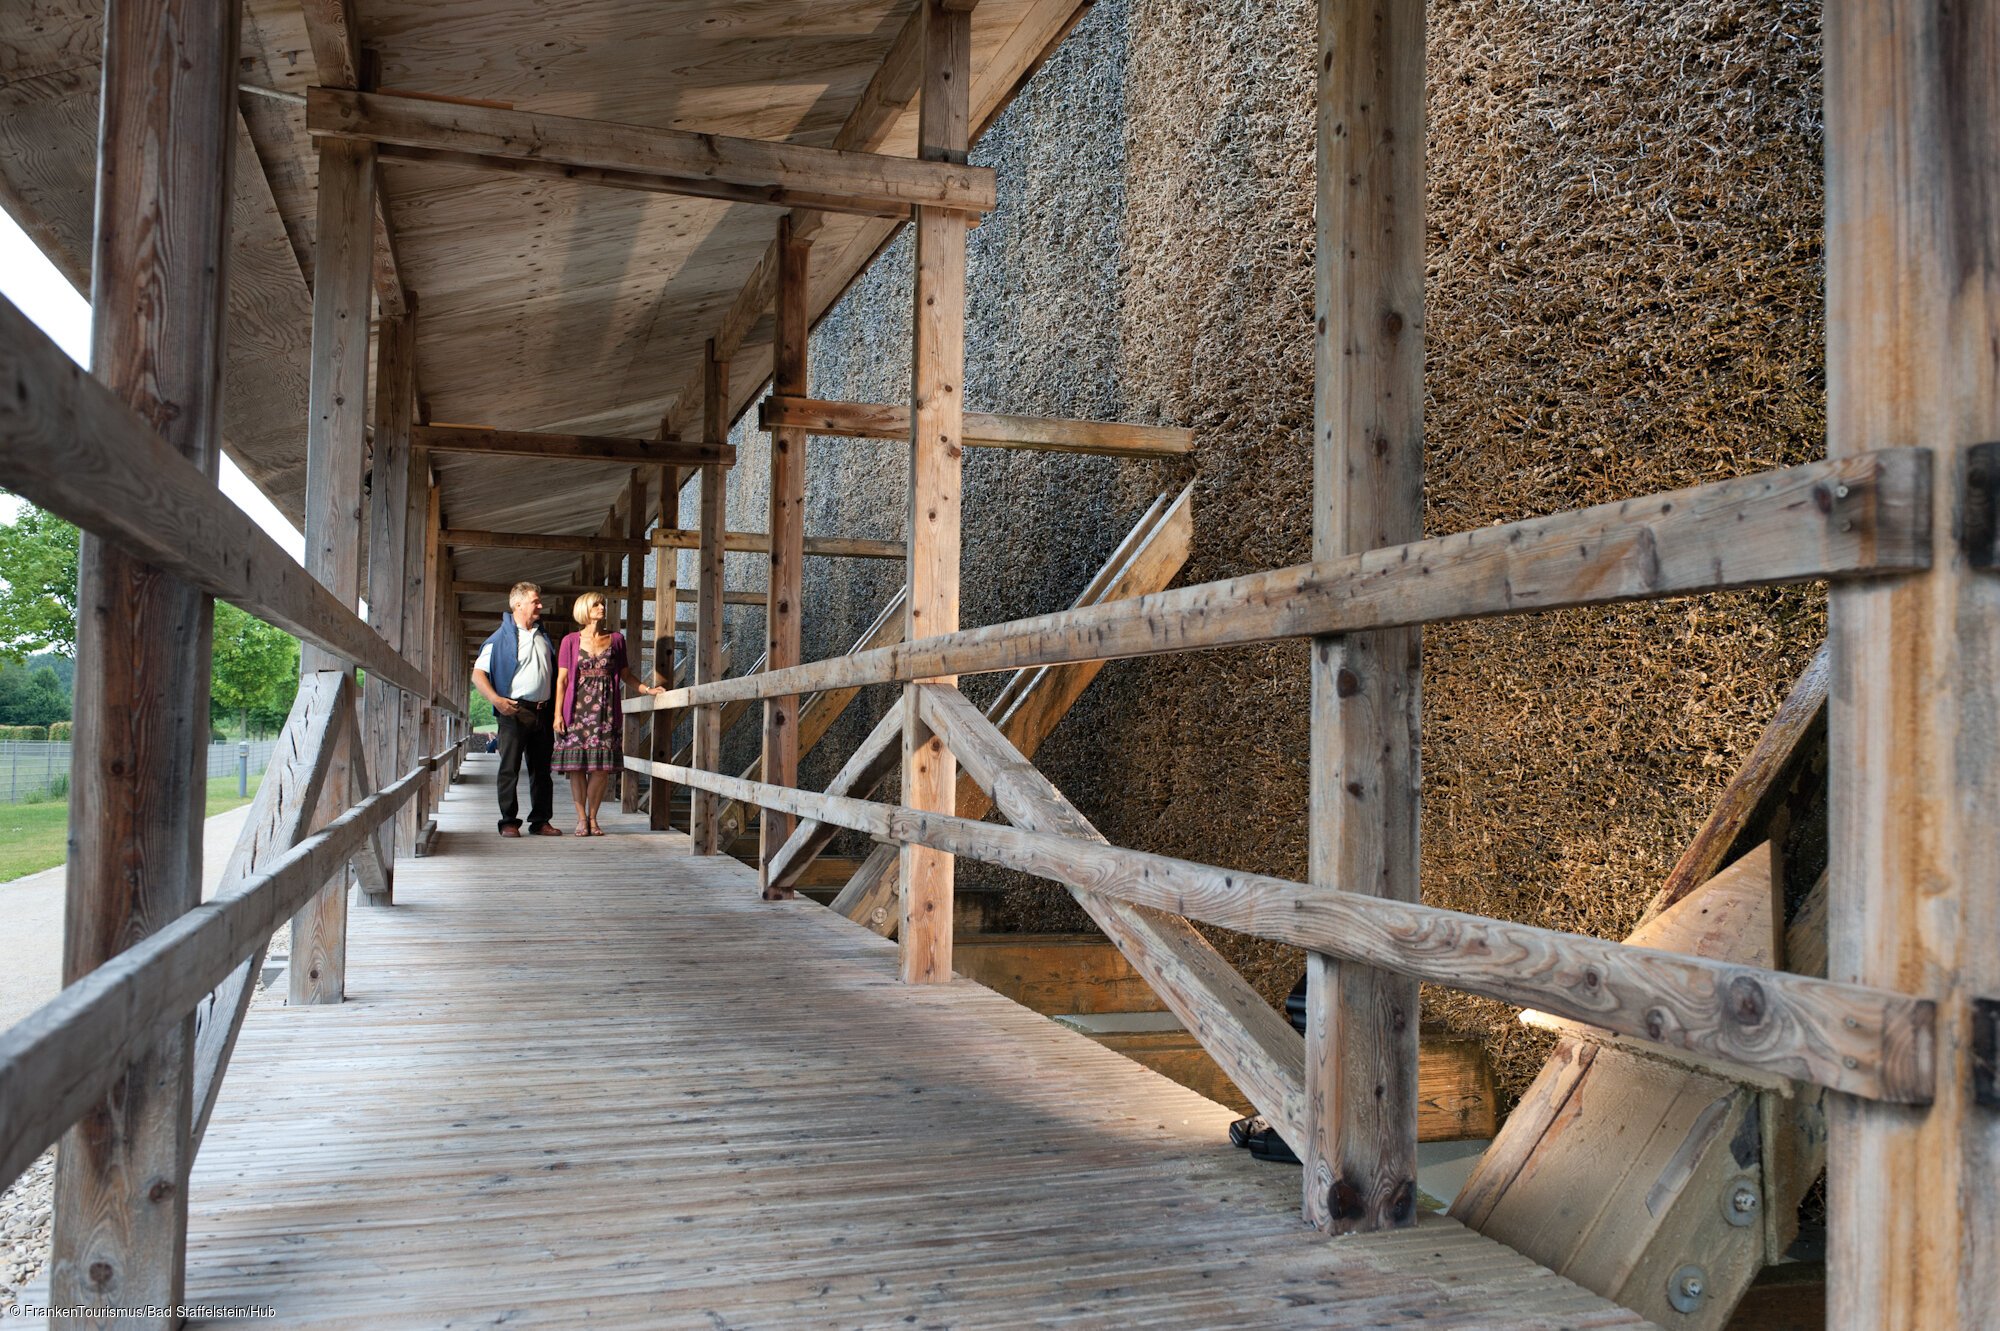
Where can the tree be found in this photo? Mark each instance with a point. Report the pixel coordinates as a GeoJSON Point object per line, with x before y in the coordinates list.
{"type": "Point", "coordinates": [255, 671]}
{"type": "Point", "coordinates": [31, 697]}
{"type": "Point", "coordinates": [37, 585]}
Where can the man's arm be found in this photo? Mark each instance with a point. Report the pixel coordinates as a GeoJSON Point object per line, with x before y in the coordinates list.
{"type": "Point", "coordinates": [504, 706]}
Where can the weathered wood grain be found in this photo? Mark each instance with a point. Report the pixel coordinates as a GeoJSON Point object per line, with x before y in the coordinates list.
{"type": "Point", "coordinates": [712, 165]}
{"type": "Point", "coordinates": [786, 544]}
{"type": "Point", "coordinates": [937, 451]}
{"type": "Point", "coordinates": [1912, 110]}
{"type": "Point", "coordinates": [159, 278]}
{"type": "Point", "coordinates": [757, 542]}
{"type": "Point", "coordinates": [389, 511]}
{"type": "Point", "coordinates": [1867, 1042]}
{"type": "Point", "coordinates": [879, 753]}
{"type": "Point", "coordinates": [1788, 525]}
{"type": "Point", "coordinates": [876, 420]}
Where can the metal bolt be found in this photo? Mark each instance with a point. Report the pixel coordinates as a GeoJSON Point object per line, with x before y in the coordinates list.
{"type": "Point", "coordinates": [1691, 1287]}
{"type": "Point", "coordinates": [1840, 492]}
{"type": "Point", "coordinates": [1744, 1200]}
{"type": "Point", "coordinates": [1685, 1288]}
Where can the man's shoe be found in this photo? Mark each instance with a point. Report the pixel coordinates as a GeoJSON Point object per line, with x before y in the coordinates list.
{"type": "Point", "coordinates": [547, 829]}
{"type": "Point", "coordinates": [510, 830]}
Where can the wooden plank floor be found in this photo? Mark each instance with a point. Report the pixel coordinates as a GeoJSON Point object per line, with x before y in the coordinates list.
{"type": "Point", "coordinates": [599, 1082]}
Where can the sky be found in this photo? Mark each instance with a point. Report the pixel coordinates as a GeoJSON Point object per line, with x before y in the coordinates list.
{"type": "Point", "coordinates": [32, 283]}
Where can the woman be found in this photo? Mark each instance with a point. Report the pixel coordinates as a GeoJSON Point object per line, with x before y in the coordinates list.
{"type": "Point", "coordinates": [589, 726]}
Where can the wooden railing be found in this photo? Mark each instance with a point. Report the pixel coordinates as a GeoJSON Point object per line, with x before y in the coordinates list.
{"type": "Point", "coordinates": [1857, 517]}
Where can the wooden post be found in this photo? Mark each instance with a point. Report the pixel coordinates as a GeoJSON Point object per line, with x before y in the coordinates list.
{"type": "Point", "coordinates": [635, 629]}
{"type": "Point", "coordinates": [666, 610]}
{"type": "Point", "coordinates": [416, 643]}
{"type": "Point", "coordinates": [937, 410]}
{"type": "Point", "coordinates": [707, 756]}
{"type": "Point", "coordinates": [1361, 1033]}
{"type": "Point", "coordinates": [788, 538]}
{"type": "Point", "coordinates": [388, 577]}
{"type": "Point", "coordinates": [335, 447]}
{"type": "Point", "coordinates": [1913, 320]}
{"type": "Point", "coordinates": [446, 668]}
{"type": "Point", "coordinates": [167, 137]}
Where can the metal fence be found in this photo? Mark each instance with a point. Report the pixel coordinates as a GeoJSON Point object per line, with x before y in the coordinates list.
{"type": "Point", "coordinates": [32, 770]}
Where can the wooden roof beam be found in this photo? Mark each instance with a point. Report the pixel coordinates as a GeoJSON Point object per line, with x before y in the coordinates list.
{"type": "Point", "coordinates": [569, 447]}
{"type": "Point", "coordinates": [638, 156]}
{"type": "Point", "coordinates": [876, 420]}
{"type": "Point", "coordinates": [335, 36]}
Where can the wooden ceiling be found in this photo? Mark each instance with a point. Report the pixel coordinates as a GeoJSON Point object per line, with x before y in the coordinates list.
{"type": "Point", "coordinates": [542, 304]}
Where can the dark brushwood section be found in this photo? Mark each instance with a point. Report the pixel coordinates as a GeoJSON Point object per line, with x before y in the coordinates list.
{"type": "Point", "coordinates": [336, 446]}
{"type": "Point", "coordinates": [787, 530]}
{"type": "Point", "coordinates": [166, 138]}
{"type": "Point", "coordinates": [482, 442]}
{"type": "Point", "coordinates": [1744, 806]}
{"type": "Point", "coordinates": [1913, 358]}
{"type": "Point", "coordinates": [576, 1125]}
{"type": "Point", "coordinates": [1789, 525]}
{"type": "Point", "coordinates": [1360, 1147]}
{"type": "Point", "coordinates": [883, 420]}
{"type": "Point", "coordinates": [937, 450]}
{"type": "Point", "coordinates": [708, 165]}
{"type": "Point", "coordinates": [1868, 1042]}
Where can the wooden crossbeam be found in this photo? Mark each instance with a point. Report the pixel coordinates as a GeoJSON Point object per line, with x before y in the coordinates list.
{"type": "Point", "coordinates": [878, 420]}
{"type": "Point", "coordinates": [640, 156]}
{"type": "Point", "coordinates": [1866, 1042]}
{"type": "Point", "coordinates": [1864, 515]}
{"type": "Point", "coordinates": [757, 542]}
{"type": "Point", "coordinates": [1250, 1041]}
{"type": "Point", "coordinates": [466, 589]}
{"type": "Point", "coordinates": [281, 815]}
{"type": "Point", "coordinates": [483, 442]}
{"type": "Point", "coordinates": [469, 538]}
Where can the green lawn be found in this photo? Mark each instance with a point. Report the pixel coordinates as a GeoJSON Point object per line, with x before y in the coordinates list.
{"type": "Point", "coordinates": [33, 837]}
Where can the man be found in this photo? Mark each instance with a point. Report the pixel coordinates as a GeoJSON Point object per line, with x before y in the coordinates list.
{"type": "Point", "coordinates": [516, 671]}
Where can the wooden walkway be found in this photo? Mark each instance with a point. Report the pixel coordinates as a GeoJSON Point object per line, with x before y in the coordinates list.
{"type": "Point", "coordinates": [599, 1082]}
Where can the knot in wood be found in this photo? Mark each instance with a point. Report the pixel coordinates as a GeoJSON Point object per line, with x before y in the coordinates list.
{"type": "Point", "coordinates": [1747, 1001]}
{"type": "Point", "coordinates": [1346, 683]}
{"type": "Point", "coordinates": [1344, 1201]}
{"type": "Point", "coordinates": [100, 1274]}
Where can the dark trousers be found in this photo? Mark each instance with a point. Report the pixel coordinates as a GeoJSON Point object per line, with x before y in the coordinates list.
{"type": "Point", "coordinates": [530, 735]}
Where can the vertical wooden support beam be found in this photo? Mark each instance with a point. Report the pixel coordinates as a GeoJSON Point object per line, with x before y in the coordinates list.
{"type": "Point", "coordinates": [336, 443]}
{"type": "Point", "coordinates": [937, 412]}
{"type": "Point", "coordinates": [447, 669]}
{"type": "Point", "coordinates": [1913, 359]}
{"type": "Point", "coordinates": [388, 577]}
{"type": "Point", "coordinates": [416, 714]}
{"type": "Point", "coordinates": [703, 812]}
{"type": "Point", "coordinates": [635, 628]}
{"type": "Point", "coordinates": [666, 607]}
{"type": "Point", "coordinates": [788, 542]}
{"type": "Point", "coordinates": [167, 138]}
{"type": "Point", "coordinates": [1361, 1035]}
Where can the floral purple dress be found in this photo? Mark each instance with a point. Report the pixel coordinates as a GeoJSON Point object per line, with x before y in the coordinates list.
{"type": "Point", "coordinates": [593, 732]}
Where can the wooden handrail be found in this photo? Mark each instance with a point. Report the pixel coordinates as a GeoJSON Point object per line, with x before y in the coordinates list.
{"type": "Point", "coordinates": [1861, 1041]}
{"type": "Point", "coordinates": [1864, 515]}
{"type": "Point", "coordinates": [67, 1054]}
{"type": "Point", "coordinates": [70, 447]}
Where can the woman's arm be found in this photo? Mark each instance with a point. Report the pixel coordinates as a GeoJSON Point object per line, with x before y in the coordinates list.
{"type": "Point", "coordinates": [641, 684]}
{"type": "Point", "coordinates": [562, 693]}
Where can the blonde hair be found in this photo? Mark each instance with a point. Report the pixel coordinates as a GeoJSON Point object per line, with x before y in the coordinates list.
{"type": "Point", "coordinates": [582, 607]}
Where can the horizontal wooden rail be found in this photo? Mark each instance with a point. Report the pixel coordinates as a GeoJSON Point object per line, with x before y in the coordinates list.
{"type": "Point", "coordinates": [1861, 1041]}
{"type": "Point", "coordinates": [1042, 434]}
{"type": "Point", "coordinates": [602, 152]}
{"type": "Point", "coordinates": [484, 442]}
{"type": "Point", "coordinates": [1868, 514]}
{"type": "Point", "coordinates": [757, 542]}
{"type": "Point", "coordinates": [67, 1054]}
{"type": "Point", "coordinates": [499, 590]}
{"type": "Point", "coordinates": [69, 446]}
{"type": "Point", "coordinates": [468, 538]}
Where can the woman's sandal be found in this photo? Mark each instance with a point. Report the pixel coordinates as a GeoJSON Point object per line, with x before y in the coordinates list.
{"type": "Point", "coordinates": [595, 830]}
{"type": "Point", "coordinates": [582, 829]}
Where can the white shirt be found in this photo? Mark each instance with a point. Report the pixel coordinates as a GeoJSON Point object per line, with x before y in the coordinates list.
{"type": "Point", "coordinates": [534, 671]}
